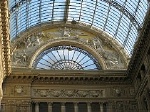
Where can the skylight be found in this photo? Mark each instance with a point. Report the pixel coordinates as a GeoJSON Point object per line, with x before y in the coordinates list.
{"type": "Point", "coordinates": [120, 18]}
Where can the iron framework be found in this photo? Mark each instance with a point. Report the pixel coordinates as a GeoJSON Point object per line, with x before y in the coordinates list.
{"type": "Point", "coordinates": [66, 58]}
{"type": "Point", "coordinates": [122, 19]}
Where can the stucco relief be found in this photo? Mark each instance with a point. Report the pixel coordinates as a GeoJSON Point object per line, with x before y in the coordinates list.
{"type": "Point", "coordinates": [96, 93]}
{"type": "Point", "coordinates": [67, 93]}
{"type": "Point", "coordinates": [66, 32]}
{"type": "Point", "coordinates": [33, 40]}
{"type": "Point", "coordinates": [19, 89]}
{"type": "Point", "coordinates": [122, 91]}
{"type": "Point", "coordinates": [20, 58]}
{"type": "Point", "coordinates": [62, 33]}
{"type": "Point", "coordinates": [112, 60]}
{"type": "Point", "coordinates": [97, 43]}
{"type": "Point", "coordinates": [25, 47]}
{"type": "Point", "coordinates": [55, 93]}
{"type": "Point", "coordinates": [111, 57]}
{"type": "Point", "coordinates": [22, 50]}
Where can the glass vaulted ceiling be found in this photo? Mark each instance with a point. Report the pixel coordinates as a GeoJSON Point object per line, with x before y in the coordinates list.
{"type": "Point", "coordinates": [120, 18]}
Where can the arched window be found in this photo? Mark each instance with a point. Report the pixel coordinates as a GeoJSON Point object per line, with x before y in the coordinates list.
{"type": "Point", "coordinates": [66, 58]}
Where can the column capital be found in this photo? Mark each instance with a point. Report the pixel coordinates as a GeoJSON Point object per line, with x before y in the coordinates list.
{"type": "Point", "coordinates": [49, 103]}
{"type": "Point", "coordinates": [88, 102]}
{"type": "Point", "coordinates": [63, 109]}
{"type": "Point", "coordinates": [36, 102]}
{"type": "Point", "coordinates": [101, 103]}
{"type": "Point", "coordinates": [101, 106]}
{"type": "Point", "coordinates": [75, 106]}
{"type": "Point", "coordinates": [110, 101]}
{"type": "Point", "coordinates": [49, 106]}
{"type": "Point", "coordinates": [88, 106]}
{"type": "Point", "coordinates": [62, 103]}
{"type": "Point", "coordinates": [75, 103]}
{"type": "Point", "coordinates": [36, 106]}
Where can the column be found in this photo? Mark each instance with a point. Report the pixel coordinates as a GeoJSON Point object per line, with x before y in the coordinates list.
{"type": "Point", "coordinates": [88, 107]}
{"type": "Point", "coordinates": [114, 106]}
{"type": "Point", "coordinates": [101, 107]}
{"type": "Point", "coordinates": [75, 107]}
{"type": "Point", "coordinates": [49, 107]}
{"type": "Point", "coordinates": [37, 107]}
{"type": "Point", "coordinates": [29, 106]}
{"type": "Point", "coordinates": [3, 108]}
{"type": "Point", "coordinates": [63, 108]}
{"type": "Point", "coordinates": [110, 106]}
{"type": "Point", "coordinates": [126, 106]}
{"type": "Point", "coordinates": [105, 106]}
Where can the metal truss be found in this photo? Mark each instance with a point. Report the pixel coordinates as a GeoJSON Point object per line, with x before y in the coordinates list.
{"type": "Point", "coordinates": [120, 18]}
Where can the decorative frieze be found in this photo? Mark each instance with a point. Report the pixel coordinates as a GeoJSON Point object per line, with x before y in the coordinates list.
{"type": "Point", "coordinates": [68, 93]}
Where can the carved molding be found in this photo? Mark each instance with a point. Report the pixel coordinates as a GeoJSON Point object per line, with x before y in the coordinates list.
{"type": "Point", "coordinates": [26, 75]}
{"type": "Point", "coordinates": [18, 102]}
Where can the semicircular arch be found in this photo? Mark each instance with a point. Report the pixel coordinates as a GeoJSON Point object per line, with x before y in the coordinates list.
{"type": "Point", "coordinates": [108, 49]}
{"type": "Point", "coordinates": [99, 59]}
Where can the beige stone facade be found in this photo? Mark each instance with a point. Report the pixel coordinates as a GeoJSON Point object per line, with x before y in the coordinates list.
{"type": "Point", "coordinates": [122, 85]}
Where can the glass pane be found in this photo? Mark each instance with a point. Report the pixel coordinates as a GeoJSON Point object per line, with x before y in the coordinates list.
{"type": "Point", "coordinates": [113, 17]}
{"type": "Point", "coordinates": [66, 58]}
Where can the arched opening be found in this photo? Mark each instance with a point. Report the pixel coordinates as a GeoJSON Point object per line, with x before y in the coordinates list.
{"type": "Point", "coordinates": [66, 58]}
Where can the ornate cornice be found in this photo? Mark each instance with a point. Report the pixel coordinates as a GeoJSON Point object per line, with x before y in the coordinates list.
{"type": "Point", "coordinates": [68, 77]}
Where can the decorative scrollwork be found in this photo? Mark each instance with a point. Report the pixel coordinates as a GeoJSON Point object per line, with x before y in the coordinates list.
{"type": "Point", "coordinates": [82, 93]}
{"type": "Point", "coordinates": [65, 93]}
{"type": "Point", "coordinates": [55, 93]}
